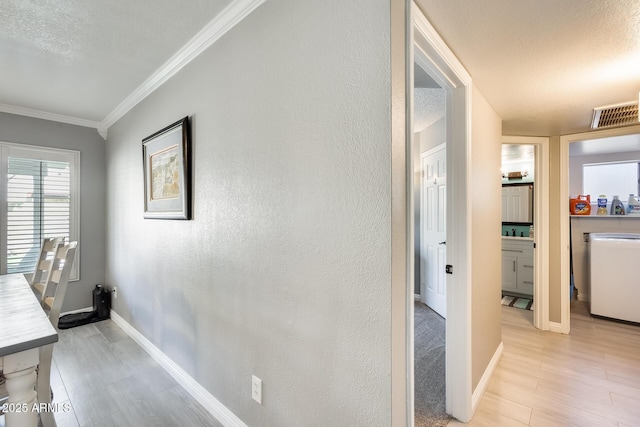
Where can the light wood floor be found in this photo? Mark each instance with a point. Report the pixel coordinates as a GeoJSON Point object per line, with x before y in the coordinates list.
{"type": "Point", "coordinates": [103, 378]}
{"type": "Point", "coordinates": [590, 377]}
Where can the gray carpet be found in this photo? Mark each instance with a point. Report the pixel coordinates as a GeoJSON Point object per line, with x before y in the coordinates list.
{"type": "Point", "coordinates": [429, 360]}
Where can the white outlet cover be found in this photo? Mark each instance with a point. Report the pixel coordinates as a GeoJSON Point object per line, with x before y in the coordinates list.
{"type": "Point", "coordinates": [256, 389]}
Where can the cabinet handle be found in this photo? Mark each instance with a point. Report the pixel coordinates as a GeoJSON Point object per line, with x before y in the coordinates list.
{"type": "Point", "coordinates": [512, 250]}
{"type": "Point", "coordinates": [514, 266]}
{"type": "Point", "coordinates": [528, 266]}
{"type": "Point", "coordinates": [528, 283]}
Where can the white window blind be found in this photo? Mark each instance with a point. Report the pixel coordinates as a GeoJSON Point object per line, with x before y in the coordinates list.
{"type": "Point", "coordinates": [38, 200]}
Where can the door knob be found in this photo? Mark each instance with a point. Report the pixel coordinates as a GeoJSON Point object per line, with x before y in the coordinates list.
{"type": "Point", "coordinates": [443, 243]}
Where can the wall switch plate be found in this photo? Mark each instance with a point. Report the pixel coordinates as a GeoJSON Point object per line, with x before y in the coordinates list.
{"type": "Point", "coordinates": [256, 389]}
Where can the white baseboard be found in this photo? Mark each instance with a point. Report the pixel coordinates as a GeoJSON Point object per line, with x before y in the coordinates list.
{"type": "Point", "coordinates": [206, 399]}
{"type": "Point", "coordinates": [484, 381]}
{"type": "Point", "coordinates": [555, 327]}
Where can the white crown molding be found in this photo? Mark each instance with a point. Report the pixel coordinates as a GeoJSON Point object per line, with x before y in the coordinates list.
{"type": "Point", "coordinates": [223, 22]}
{"type": "Point", "coordinates": [102, 130]}
{"type": "Point", "coordinates": [438, 52]}
{"type": "Point", "coordinates": [38, 114]}
{"type": "Point", "coordinates": [235, 12]}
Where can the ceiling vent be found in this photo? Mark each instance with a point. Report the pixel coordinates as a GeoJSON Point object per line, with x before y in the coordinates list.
{"type": "Point", "coordinates": [615, 115]}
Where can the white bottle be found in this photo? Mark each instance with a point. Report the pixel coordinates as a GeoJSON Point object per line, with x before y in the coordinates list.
{"type": "Point", "coordinates": [531, 231]}
{"type": "Point", "coordinates": [633, 208]}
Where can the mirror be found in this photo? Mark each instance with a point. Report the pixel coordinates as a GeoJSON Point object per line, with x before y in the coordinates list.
{"type": "Point", "coordinates": [518, 165]}
{"type": "Point", "coordinates": [517, 204]}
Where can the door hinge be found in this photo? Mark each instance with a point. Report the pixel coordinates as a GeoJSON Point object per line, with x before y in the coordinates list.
{"type": "Point", "coordinates": [448, 269]}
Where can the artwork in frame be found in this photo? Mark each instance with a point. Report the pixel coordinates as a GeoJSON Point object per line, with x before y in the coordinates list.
{"type": "Point", "coordinates": [167, 171]}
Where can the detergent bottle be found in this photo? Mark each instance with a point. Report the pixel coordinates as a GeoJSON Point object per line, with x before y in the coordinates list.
{"type": "Point", "coordinates": [633, 208]}
{"type": "Point", "coordinates": [617, 208]}
{"type": "Point", "coordinates": [602, 204]}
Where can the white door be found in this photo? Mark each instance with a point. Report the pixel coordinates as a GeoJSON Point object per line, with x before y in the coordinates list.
{"type": "Point", "coordinates": [433, 251]}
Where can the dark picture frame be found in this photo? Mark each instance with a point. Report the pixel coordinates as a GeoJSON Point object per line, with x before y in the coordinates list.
{"type": "Point", "coordinates": [166, 157]}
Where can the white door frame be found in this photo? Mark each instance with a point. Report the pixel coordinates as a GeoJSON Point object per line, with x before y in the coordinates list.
{"type": "Point", "coordinates": [541, 223]}
{"type": "Point", "coordinates": [435, 57]}
{"type": "Point", "coordinates": [563, 213]}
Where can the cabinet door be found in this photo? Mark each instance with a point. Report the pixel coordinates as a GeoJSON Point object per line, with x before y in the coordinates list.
{"type": "Point", "coordinates": [525, 273]}
{"type": "Point", "coordinates": [509, 272]}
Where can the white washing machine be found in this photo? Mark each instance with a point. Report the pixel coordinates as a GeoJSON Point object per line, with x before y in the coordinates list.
{"type": "Point", "coordinates": [615, 275]}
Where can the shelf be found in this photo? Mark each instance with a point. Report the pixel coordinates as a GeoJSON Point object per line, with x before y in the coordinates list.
{"type": "Point", "coordinates": [606, 216]}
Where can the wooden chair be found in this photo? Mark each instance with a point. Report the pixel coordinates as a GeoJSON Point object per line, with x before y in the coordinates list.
{"type": "Point", "coordinates": [44, 263]}
{"type": "Point", "coordinates": [55, 287]}
{"type": "Point", "coordinates": [54, 290]}
{"type": "Point", "coordinates": [52, 298]}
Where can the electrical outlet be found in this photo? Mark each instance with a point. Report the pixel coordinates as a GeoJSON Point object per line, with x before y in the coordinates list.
{"type": "Point", "coordinates": [256, 389]}
{"type": "Point", "coordinates": [115, 292]}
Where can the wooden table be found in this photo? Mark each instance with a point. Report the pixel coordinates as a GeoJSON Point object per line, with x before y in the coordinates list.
{"type": "Point", "coordinates": [24, 329]}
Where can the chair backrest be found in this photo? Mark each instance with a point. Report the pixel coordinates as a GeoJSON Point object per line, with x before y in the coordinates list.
{"type": "Point", "coordinates": [57, 281]}
{"type": "Point", "coordinates": [44, 262]}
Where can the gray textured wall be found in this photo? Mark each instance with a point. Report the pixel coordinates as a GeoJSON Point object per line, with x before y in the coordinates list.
{"type": "Point", "coordinates": [27, 130]}
{"type": "Point", "coordinates": [284, 271]}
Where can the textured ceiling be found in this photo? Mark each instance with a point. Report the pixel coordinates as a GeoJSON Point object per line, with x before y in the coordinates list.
{"type": "Point", "coordinates": [429, 100]}
{"type": "Point", "coordinates": [429, 105]}
{"type": "Point", "coordinates": [517, 153]}
{"type": "Point", "coordinates": [544, 65]}
{"type": "Point", "coordinates": [82, 58]}
{"type": "Point", "coordinates": [518, 157]}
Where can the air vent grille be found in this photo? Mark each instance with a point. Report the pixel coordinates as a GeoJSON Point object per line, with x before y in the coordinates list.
{"type": "Point", "coordinates": [615, 115]}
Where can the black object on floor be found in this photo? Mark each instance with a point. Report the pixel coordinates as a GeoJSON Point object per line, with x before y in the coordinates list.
{"type": "Point", "coordinates": [101, 310]}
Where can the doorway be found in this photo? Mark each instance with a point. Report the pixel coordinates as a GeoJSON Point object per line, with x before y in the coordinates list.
{"type": "Point", "coordinates": [428, 50]}
{"type": "Point", "coordinates": [430, 174]}
{"type": "Point", "coordinates": [602, 146]}
{"type": "Point", "coordinates": [540, 211]}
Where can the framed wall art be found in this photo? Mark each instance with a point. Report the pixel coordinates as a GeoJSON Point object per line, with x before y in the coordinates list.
{"type": "Point", "coordinates": [167, 172]}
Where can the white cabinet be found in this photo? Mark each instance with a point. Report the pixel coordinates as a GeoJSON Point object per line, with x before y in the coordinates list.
{"type": "Point", "coordinates": [517, 203]}
{"type": "Point", "coordinates": [517, 266]}
{"type": "Point", "coordinates": [509, 271]}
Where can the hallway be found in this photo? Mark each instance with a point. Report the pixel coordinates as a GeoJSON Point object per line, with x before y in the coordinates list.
{"type": "Point", "coordinates": [590, 377]}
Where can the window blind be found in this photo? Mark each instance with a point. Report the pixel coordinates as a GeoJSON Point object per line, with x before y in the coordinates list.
{"type": "Point", "coordinates": [38, 206]}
